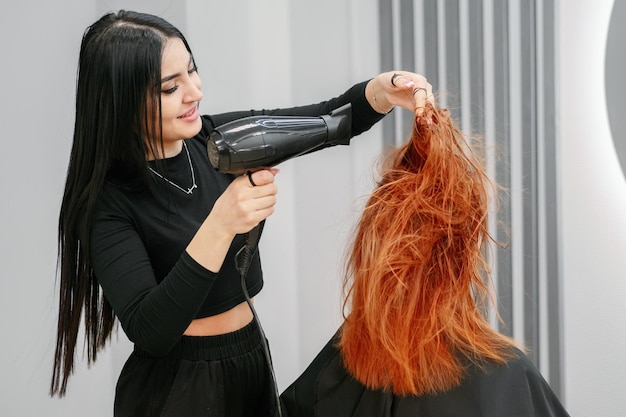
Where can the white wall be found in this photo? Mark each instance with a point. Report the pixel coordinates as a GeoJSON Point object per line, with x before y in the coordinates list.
{"type": "Point", "coordinates": [593, 219]}
{"type": "Point", "coordinates": [38, 69]}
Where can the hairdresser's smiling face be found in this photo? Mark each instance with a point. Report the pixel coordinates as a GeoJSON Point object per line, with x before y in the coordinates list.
{"type": "Point", "coordinates": [180, 95]}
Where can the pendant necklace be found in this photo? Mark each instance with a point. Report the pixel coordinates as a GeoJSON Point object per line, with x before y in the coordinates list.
{"type": "Point", "coordinates": [189, 190]}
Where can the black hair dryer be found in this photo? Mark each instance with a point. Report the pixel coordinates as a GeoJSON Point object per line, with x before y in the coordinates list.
{"type": "Point", "coordinates": [257, 142]}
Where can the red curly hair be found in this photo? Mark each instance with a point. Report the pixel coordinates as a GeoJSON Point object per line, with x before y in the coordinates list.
{"type": "Point", "coordinates": [415, 278]}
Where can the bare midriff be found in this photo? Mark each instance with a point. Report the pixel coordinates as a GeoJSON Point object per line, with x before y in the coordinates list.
{"type": "Point", "coordinates": [226, 322]}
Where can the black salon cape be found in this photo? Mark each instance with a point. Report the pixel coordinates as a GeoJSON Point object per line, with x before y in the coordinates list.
{"type": "Point", "coordinates": [515, 389]}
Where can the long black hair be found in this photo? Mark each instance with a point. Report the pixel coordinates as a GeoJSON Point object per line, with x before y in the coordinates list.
{"type": "Point", "coordinates": [117, 108]}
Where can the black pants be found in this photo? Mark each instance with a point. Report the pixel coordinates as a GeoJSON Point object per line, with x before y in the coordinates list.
{"type": "Point", "coordinates": [225, 376]}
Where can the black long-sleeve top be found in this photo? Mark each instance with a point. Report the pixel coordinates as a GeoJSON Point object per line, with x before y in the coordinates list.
{"type": "Point", "coordinates": [139, 237]}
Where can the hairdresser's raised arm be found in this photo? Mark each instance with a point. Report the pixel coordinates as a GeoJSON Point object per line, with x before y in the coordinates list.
{"type": "Point", "coordinates": [398, 88]}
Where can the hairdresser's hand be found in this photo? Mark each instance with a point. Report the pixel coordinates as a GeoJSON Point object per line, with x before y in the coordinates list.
{"type": "Point", "coordinates": [239, 209]}
{"type": "Point", "coordinates": [399, 88]}
{"type": "Point", "coordinates": [247, 201]}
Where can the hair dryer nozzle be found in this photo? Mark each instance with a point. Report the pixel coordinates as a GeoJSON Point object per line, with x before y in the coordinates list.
{"type": "Point", "coordinates": [339, 123]}
{"type": "Point", "coordinates": [256, 142]}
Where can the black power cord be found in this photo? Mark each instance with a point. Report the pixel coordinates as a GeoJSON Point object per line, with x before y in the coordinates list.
{"type": "Point", "coordinates": [243, 259]}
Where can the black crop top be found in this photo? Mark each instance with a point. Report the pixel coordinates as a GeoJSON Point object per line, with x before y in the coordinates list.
{"type": "Point", "coordinates": [139, 239]}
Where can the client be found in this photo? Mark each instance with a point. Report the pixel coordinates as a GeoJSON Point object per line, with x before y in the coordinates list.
{"type": "Point", "coordinates": [414, 341]}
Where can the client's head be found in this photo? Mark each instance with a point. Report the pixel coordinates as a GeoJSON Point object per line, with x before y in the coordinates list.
{"type": "Point", "coordinates": [416, 272]}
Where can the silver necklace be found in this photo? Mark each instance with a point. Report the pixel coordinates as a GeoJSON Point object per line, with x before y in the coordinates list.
{"type": "Point", "coordinates": [189, 190]}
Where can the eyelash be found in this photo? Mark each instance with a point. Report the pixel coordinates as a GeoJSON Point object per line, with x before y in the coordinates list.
{"type": "Point", "coordinates": [173, 89]}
